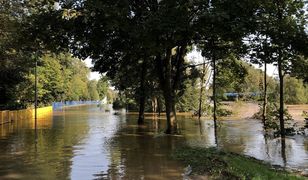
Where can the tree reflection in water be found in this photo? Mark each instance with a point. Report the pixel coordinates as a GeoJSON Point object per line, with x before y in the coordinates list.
{"type": "Point", "coordinates": [84, 142]}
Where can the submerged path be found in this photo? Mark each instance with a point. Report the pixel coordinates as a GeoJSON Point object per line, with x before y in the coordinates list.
{"type": "Point", "coordinates": [85, 143]}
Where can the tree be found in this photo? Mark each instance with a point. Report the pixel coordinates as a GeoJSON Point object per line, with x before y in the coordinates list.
{"type": "Point", "coordinates": [285, 29]}
{"type": "Point", "coordinates": [204, 72]}
{"type": "Point", "coordinates": [102, 87]}
{"type": "Point", "coordinates": [233, 78]}
{"type": "Point", "coordinates": [262, 54]}
{"type": "Point", "coordinates": [18, 53]}
{"type": "Point", "coordinates": [92, 89]}
{"type": "Point", "coordinates": [14, 64]}
{"type": "Point", "coordinates": [50, 80]}
{"type": "Point", "coordinates": [299, 68]}
{"type": "Point", "coordinates": [222, 29]}
{"type": "Point", "coordinates": [112, 33]}
{"type": "Point", "coordinates": [295, 91]}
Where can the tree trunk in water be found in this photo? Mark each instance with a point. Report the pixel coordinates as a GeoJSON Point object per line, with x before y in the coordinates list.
{"type": "Point", "coordinates": [159, 106]}
{"type": "Point", "coordinates": [214, 93]}
{"type": "Point", "coordinates": [141, 110]}
{"type": "Point", "coordinates": [201, 92]}
{"type": "Point", "coordinates": [142, 94]}
{"type": "Point", "coordinates": [171, 121]}
{"type": "Point", "coordinates": [281, 104]}
{"type": "Point", "coordinates": [168, 95]}
{"type": "Point", "coordinates": [265, 97]}
{"type": "Point", "coordinates": [280, 6]}
{"type": "Point", "coordinates": [154, 104]}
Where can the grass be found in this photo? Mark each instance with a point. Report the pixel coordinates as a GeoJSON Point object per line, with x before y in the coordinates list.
{"type": "Point", "coordinates": [223, 165]}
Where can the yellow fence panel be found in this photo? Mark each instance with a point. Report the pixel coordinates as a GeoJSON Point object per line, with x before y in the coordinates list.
{"type": "Point", "coordinates": [24, 114]}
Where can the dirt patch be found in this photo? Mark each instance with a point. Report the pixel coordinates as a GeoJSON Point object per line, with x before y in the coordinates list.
{"type": "Point", "coordinates": [296, 111]}
{"type": "Point", "coordinates": [244, 110]}
{"type": "Point", "coordinates": [241, 110]}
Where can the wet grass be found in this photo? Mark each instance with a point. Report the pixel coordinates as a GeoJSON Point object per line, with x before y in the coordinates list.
{"type": "Point", "coordinates": [223, 165]}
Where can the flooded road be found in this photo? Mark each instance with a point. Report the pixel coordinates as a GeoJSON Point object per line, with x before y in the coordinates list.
{"type": "Point", "coordinates": [85, 143]}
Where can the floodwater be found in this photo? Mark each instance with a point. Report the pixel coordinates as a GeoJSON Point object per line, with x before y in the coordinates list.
{"type": "Point", "coordinates": [85, 143]}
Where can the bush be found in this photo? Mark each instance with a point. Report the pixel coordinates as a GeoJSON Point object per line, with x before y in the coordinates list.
{"type": "Point", "coordinates": [118, 104]}
{"type": "Point", "coordinates": [13, 106]}
{"type": "Point", "coordinates": [223, 112]}
{"type": "Point", "coordinates": [272, 119]}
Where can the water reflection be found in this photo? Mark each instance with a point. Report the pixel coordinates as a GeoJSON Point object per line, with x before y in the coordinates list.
{"type": "Point", "coordinates": [246, 137]}
{"type": "Point", "coordinates": [85, 143]}
{"type": "Point", "coordinates": [137, 154]}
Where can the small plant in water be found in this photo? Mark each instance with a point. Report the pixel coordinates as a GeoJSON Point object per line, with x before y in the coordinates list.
{"type": "Point", "coordinates": [272, 120]}
{"type": "Point", "coordinates": [305, 114]}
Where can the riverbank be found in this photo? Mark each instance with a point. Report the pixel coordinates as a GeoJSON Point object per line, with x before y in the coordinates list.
{"type": "Point", "coordinates": [210, 163]}
{"type": "Point", "coordinates": [246, 110]}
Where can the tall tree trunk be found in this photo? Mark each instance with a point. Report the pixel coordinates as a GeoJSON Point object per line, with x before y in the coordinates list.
{"type": "Point", "coordinates": [164, 68]}
{"type": "Point", "coordinates": [159, 105]}
{"type": "Point", "coordinates": [142, 92]}
{"type": "Point", "coordinates": [141, 110]}
{"type": "Point", "coordinates": [201, 91]}
{"type": "Point", "coordinates": [280, 6]}
{"type": "Point", "coordinates": [281, 99]}
{"type": "Point", "coordinates": [154, 104]}
{"type": "Point", "coordinates": [168, 95]}
{"type": "Point", "coordinates": [264, 96]}
{"type": "Point", "coordinates": [214, 93]}
{"type": "Point", "coordinates": [171, 119]}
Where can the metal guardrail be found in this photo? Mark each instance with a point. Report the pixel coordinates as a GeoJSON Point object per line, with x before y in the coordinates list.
{"type": "Point", "coordinates": [60, 105]}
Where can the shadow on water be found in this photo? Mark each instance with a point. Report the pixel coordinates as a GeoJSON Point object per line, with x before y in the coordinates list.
{"type": "Point", "coordinates": [85, 143]}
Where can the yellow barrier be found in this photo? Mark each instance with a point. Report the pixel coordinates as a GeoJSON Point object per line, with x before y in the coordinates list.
{"type": "Point", "coordinates": [9, 116]}
{"type": "Point", "coordinates": [42, 111]}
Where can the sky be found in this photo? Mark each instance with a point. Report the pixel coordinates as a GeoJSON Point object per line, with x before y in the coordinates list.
{"type": "Point", "coordinates": [93, 75]}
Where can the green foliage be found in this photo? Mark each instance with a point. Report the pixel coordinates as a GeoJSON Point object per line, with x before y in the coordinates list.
{"type": "Point", "coordinates": [118, 104]}
{"type": "Point", "coordinates": [243, 78]}
{"type": "Point", "coordinates": [223, 165]}
{"type": "Point", "coordinates": [61, 77]}
{"type": "Point", "coordinates": [92, 89]}
{"type": "Point", "coordinates": [295, 91]}
{"type": "Point", "coordinates": [141, 45]}
{"type": "Point", "coordinates": [223, 112]}
{"type": "Point", "coordinates": [102, 87]}
{"type": "Point", "coordinates": [14, 63]}
{"type": "Point", "coordinates": [231, 79]}
{"type": "Point", "coordinates": [50, 80]}
{"type": "Point", "coordinates": [272, 118]}
{"type": "Point", "coordinates": [300, 68]}
{"type": "Point", "coordinates": [305, 114]}
{"type": "Point", "coordinates": [18, 55]}
{"type": "Point", "coordinates": [189, 101]}
{"type": "Point", "coordinates": [125, 99]}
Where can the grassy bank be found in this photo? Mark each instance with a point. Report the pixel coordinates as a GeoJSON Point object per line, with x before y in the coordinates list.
{"type": "Point", "coordinates": [222, 165]}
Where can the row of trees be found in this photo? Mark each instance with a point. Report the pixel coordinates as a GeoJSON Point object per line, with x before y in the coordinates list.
{"type": "Point", "coordinates": [60, 78]}
{"type": "Point", "coordinates": [142, 45]}
{"type": "Point", "coordinates": [64, 78]}
{"type": "Point", "coordinates": [241, 78]}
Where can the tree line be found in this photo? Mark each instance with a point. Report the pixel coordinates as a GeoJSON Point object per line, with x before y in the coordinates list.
{"type": "Point", "coordinates": [142, 45]}
{"type": "Point", "coordinates": [60, 78]}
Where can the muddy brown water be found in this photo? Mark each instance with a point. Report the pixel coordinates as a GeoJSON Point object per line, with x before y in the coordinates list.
{"type": "Point", "coordinates": [85, 143]}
